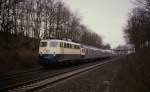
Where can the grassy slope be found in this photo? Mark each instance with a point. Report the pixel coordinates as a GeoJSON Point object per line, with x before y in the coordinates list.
{"type": "Point", "coordinates": [17, 54]}
{"type": "Point", "coordinates": [17, 60]}
{"type": "Point", "coordinates": [134, 76]}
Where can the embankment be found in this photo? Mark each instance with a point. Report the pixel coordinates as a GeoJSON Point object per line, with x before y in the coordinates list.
{"type": "Point", "coordinates": [17, 52]}
{"type": "Point", "coordinates": [134, 75]}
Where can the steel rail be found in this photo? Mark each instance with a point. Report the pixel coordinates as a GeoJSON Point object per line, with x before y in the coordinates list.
{"type": "Point", "coordinates": [56, 78]}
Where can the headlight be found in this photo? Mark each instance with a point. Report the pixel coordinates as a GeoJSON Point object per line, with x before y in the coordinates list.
{"type": "Point", "coordinates": [54, 54]}
{"type": "Point", "coordinates": [40, 53]}
{"type": "Point", "coordinates": [47, 51]}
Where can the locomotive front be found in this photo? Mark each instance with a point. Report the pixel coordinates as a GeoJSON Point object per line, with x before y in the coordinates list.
{"type": "Point", "coordinates": [49, 52]}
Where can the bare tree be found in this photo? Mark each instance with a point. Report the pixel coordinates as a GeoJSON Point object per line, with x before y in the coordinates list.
{"type": "Point", "coordinates": [137, 31]}
{"type": "Point", "coordinates": [46, 18]}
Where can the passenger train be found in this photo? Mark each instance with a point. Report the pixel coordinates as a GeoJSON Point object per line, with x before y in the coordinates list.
{"type": "Point", "coordinates": [53, 51]}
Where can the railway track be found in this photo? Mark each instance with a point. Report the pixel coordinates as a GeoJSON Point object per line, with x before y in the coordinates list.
{"type": "Point", "coordinates": [56, 77]}
{"type": "Point", "coordinates": [40, 79]}
{"type": "Point", "coordinates": [18, 74]}
{"type": "Point", "coordinates": [11, 79]}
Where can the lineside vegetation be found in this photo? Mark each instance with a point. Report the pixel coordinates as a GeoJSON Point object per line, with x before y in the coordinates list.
{"type": "Point", "coordinates": [137, 31]}
{"type": "Point", "coordinates": [45, 19]}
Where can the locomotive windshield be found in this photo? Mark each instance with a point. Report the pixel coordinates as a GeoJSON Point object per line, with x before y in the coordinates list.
{"type": "Point", "coordinates": [54, 44]}
{"type": "Point", "coordinates": [43, 44]}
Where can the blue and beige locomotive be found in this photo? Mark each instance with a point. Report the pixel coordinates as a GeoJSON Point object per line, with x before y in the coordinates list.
{"type": "Point", "coordinates": [53, 51]}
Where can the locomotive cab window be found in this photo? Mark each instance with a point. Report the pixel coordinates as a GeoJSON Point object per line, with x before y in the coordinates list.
{"type": "Point", "coordinates": [43, 44]}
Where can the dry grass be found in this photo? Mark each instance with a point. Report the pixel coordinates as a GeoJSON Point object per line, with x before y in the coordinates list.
{"type": "Point", "coordinates": [134, 75]}
{"type": "Point", "coordinates": [17, 60]}
{"type": "Point", "coordinates": [17, 52]}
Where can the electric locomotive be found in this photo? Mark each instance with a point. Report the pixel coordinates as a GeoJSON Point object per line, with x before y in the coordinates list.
{"type": "Point", "coordinates": [53, 51]}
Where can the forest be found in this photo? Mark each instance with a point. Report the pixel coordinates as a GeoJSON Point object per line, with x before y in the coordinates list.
{"type": "Point", "coordinates": [44, 19]}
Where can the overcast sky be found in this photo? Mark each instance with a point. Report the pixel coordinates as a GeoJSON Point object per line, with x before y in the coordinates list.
{"type": "Point", "coordinates": [105, 17]}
